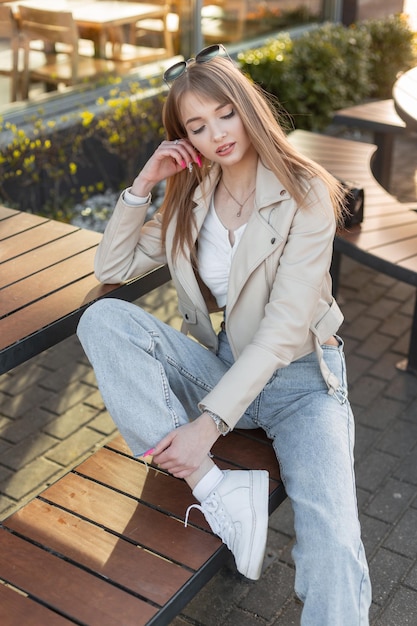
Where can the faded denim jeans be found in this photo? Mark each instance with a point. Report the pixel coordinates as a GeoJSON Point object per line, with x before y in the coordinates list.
{"type": "Point", "coordinates": [152, 377]}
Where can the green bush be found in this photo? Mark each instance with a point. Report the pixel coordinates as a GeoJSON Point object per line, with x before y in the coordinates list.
{"type": "Point", "coordinates": [391, 51]}
{"type": "Point", "coordinates": [330, 67]}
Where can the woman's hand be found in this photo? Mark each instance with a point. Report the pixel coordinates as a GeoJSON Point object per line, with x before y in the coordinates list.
{"type": "Point", "coordinates": [168, 159]}
{"type": "Point", "coordinates": [185, 449]}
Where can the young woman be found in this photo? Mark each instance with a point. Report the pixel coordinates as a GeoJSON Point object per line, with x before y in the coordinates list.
{"type": "Point", "coordinates": [246, 226]}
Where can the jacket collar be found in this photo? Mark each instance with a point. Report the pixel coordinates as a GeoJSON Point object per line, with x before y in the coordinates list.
{"type": "Point", "coordinates": [269, 190]}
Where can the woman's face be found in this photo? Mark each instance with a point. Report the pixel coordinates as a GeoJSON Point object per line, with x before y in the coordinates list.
{"type": "Point", "coordinates": [215, 129]}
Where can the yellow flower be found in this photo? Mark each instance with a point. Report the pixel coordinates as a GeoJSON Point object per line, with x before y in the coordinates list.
{"type": "Point", "coordinates": [73, 168]}
{"type": "Point", "coordinates": [87, 117]}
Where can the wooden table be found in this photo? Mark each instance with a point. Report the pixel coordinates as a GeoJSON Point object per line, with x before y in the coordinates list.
{"type": "Point", "coordinates": [105, 17]}
{"type": "Point", "coordinates": [405, 98]}
{"type": "Point", "coordinates": [47, 281]}
{"type": "Point", "coordinates": [99, 19]}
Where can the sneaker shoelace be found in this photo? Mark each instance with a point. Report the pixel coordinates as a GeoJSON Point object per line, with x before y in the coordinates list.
{"type": "Point", "coordinates": [217, 518]}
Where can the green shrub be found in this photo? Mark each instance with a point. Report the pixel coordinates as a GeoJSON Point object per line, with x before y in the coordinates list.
{"type": "Point", "coordinates": [391, 51]}
{"type": "Point", "coordinates": [330, 67]}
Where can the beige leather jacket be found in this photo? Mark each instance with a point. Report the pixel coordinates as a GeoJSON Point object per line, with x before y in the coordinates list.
{"type": "Point", "coordinates": [279, 305]}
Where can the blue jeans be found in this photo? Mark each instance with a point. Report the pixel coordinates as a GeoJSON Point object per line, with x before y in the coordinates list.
{"type": "Point", "coordinates": [152, 377]}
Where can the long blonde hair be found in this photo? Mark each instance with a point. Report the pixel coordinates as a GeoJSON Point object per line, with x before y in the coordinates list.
{"type": "Point", "coordinates": [220, 80]}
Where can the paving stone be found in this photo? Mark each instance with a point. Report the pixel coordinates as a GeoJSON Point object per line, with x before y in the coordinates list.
{"type": "Point", "coordinates": [373, 532]}
{"type": "Point", "coordinates": [365, 437]}
{"type": "Point", "coordinates": [384, 307]}
{"type": "Point", "coordinates": [371, 471]}
{"type": "Point", "coordinates": [361, 329]}
{"type": "Point", "coordinates": [6, 504]}
{"type": "Point", "coordinates": [227, 587]}
{"type": "Point", "coordinates": [403, 386]}
{"type": "Point", "coordinates": [410, 413]}
{"type": "Point", "coordinates": [28, 478]}
{"type": "Point", "coordinates": [358, 366]}
{"type": "Point", "coordinates": [275, 587]}
{"type": "Point", "coordinates": [61, 403]}
{"type": "Point", "coordinates": [399, 539]}
{"type": "Point", "coordinates": [104, 424]}
{"type": "Point", "coordinates": [402, 611]}
{"type": "Point", "coordinates": [18, 405]}
{"type": "Point", "coordinates": [69, 422]}
{"type": "Point", "coordinates": [411, 578]}
{"type": "Point", "coordinates": [396, 325]}
{"type": "Point", "coordinates": [282, 520]}
{"type": "Point", "coordinates": [407, 469]}
{"type": "Point", "coordinates": [366, 390]}
{"type": "Point", "coordinates": [375, 345]}
{"type": "Point", "coordinates": [387, 570]}
{"type": "Point", "coordinates": [95, 400]}
{"type": "Point", "coordinates": [74, 447]}
{"type": "Point", "coordinates": [28, 450]}
{"type": "Point", "coordinates": [390, 501]}
{"type": "Point", "coordinates": [64, 375]}
{"type": "Point", "coordinates": [29, 424]}
{"type": "Point", "coordinates": [386, 366]}
{"type": "Point", "coordinates": [21, 381]}
{"type": "Point", "coordinates": [290, 615]}
{"type": "Point", "coordinates": [399, 439]}
{"type": "Point", "coordinates": [381, 412]}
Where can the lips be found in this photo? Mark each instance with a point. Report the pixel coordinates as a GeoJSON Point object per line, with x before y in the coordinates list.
{"type": "Point", "coordinates": [225, 148]}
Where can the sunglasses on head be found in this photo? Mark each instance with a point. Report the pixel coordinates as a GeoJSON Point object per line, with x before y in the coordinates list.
{"type": "Point", "coordinates": [205, 55]}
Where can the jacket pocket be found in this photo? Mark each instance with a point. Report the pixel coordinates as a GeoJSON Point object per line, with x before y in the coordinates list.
{"type": "Point", "coordinates": [187, 312]}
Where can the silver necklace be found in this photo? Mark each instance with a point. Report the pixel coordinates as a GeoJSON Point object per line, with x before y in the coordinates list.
{"type": "Point", "coordinates": [239, 204]}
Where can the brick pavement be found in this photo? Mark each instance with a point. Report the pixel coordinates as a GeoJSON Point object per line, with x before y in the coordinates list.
{"type": "Point", "coordinates": [52, 416]}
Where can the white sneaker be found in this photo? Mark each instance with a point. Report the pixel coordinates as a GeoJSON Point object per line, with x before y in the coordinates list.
{"type": "Point", "coordinates": [237, 511]}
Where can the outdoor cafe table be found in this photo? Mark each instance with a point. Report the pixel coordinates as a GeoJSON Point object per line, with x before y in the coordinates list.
{"type": "Point", "coordinates": [97, 19]}
{"type": "Point", "coordinates": [405, 98]}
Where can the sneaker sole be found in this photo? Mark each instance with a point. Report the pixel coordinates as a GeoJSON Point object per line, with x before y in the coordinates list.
{"type": "Point", "coordinates": [259, 505]}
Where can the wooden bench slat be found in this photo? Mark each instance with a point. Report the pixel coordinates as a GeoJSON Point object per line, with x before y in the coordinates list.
{"type": "Point", "coordinates": [17, 609]}
{"type": "Point", "coordinates": [48, 310]}
{"type": "Point", "coordinates": [66, 588]}
{"type": "Point", "coordinates": [99, 550]}
{"type": "Point", "coordinates": [50, 254]}
{"type": "Point", "coordinates": [131, 477]}
{"type": "Point", "coordinates": [41, 284]}
{"type": "Point", "coordinates": [42, 234]}
{"type": "Point", "coordinates": [5, 213]}
{"type": "Point", "coordinates": [133, 520]}
{"type": "Point", "coordinates": [20, 223]}
{"type": "Point", "coordinates": [372, 239]}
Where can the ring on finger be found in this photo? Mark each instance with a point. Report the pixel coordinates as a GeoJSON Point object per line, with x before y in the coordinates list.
{"type": "Point", "coordinates": [176, 141]}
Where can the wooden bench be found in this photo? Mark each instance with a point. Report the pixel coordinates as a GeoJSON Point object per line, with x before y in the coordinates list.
{"type": "Point", "coordinates": [381, 119]}
{"type": "Point", "coordinates": [106, 544]}
{"type": "Point", "coordinates": [387, 239]}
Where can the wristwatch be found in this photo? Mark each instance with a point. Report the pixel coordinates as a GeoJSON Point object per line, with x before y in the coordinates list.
{"type": "Point", "coordinates": [221, 425]}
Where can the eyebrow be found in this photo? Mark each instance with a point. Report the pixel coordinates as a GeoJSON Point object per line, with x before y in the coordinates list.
{"type": "Point", "coordinates": [198, 117]}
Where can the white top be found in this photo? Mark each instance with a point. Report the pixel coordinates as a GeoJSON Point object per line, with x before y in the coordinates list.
{"type": "Point", "coordinates": [215, 254]}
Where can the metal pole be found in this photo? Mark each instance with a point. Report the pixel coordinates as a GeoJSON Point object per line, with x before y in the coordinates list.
{"type": "Point", "coordinates": [197, 35]}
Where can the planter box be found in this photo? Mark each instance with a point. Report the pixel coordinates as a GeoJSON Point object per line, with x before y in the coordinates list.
{"type": "Point", "coordinates": [58, 150]}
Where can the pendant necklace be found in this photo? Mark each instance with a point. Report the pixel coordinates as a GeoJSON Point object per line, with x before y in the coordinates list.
{"type": "Point", "coordinates": [240, 204]}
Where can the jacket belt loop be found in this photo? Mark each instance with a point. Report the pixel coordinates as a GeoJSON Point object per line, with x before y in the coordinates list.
{"type": "Point", "coordinates": [331, 380]}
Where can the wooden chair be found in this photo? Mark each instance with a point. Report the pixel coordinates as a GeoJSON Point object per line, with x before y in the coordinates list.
{"type": "Point", "coordinates": [9, 58]}
{"type": "Point", "coordinates": [135, 49]}
{"type": "Point", "coordinates": [58, 31]}
{"type": "Point", "coordinates": [222, 21]}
